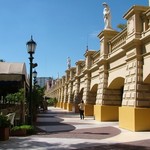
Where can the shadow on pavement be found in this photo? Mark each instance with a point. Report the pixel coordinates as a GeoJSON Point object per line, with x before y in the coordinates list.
{"type": "Point", "coordinates": [30, 144]}
{"type": "Point", "coordinates": [51, 122]}
{"type": "Point", "coordinates": [89, 133]}
{"type": "Point", "coordinates": [116, 147]}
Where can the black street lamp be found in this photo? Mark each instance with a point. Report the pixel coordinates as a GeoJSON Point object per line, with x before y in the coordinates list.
{"type": "Point", "coordinates": [31, 45]}
{"type": "Point", "coordinates": [34, 77]}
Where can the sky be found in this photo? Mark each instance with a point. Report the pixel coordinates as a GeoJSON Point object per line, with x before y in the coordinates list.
{"type": "Point", "coordinates": [61, 29]}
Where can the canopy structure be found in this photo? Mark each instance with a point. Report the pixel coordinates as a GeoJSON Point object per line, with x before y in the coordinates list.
{"type": "Point", "coordinates": [12, 71]}
{"type": "Point", "coordinates": [13, 76]}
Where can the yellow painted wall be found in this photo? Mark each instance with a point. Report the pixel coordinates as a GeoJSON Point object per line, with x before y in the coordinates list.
{"type": "Point", "coordinates": [65, 105]}
{"type": "Point", "coordinates": [97, 112]}
{"type": "Point", "coordinates": [134, 119]}
{"type": "Point", "coordinates": [69, 106]}
{"type": "Point", "coordinates": [105, 113]}
{"type": "Point", "coordinates": [142, 119]}
{"type": "Point", "coordinates": [89, 110]}
{"type": "Point", "coordinates": [61, 106]}
{"type": "Point", "coordinates": [58, 104]}
{"type": "Point", "coordinates": [126, 118]}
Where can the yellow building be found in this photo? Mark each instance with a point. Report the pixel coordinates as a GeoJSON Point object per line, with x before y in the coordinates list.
{"type": "Point", "coordinates": [115, 81]}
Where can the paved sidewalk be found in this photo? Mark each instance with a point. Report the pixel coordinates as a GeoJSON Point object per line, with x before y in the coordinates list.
{"type": "Point", "coordinates": [62, 130]}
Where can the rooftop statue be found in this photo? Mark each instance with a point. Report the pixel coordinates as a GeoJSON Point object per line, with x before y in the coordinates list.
{"type": "Point", "coordinates": [107, 16]}
{"type": "Point", "coordinates": [68, 62]}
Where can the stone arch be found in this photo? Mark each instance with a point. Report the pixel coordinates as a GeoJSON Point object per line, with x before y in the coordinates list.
{"type": "Point", "coordinates": [93, 94]}
{"type": "Point", "coordinates": [147, 79]}
{"type": "Point", "coordinates": [80, 95]}
{"type": "Point", "coordinates": [144, 89]}
{"type": "Point", "coordinates": [115, 91]}
{"type": "Point", "coordinates": [89, 107]}
{"type": "Point", "coordinates": [113, 98]}
{"type": "Point", "coordinates": [117, 83]}
{"type": "Point", "coordinates": [77, 100]}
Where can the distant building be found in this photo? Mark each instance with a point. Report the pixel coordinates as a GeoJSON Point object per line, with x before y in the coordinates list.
{"type": "Point", "coordinates": [42, 81]}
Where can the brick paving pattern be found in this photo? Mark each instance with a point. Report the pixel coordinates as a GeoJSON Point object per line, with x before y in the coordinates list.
{"type": "Point", "coordinates": [62, 130]}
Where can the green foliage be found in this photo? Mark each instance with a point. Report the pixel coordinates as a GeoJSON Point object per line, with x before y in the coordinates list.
{"type": "Point", "coordinates": [15, 128]}
{"type": "Point", "coordinates": [52, 101]}
{"type": "Point", "coordinates": [38, 95]}
{"type": "Point", "coordinates": [10, 97]}
{"type": "Point", "coordinates": [29, 129]}
{"type": "Point", "coordinates": [2, 60]}
{"type": "Point", "coordinates": [16, 97]}
{"type": "Point", "coordinates": [20, 95]}
{"type": "Point", "coordinates": [4, 122]}
{"type": "Point", "coordinates": [55, 100]}
{"type": "Point", "coordinates": [121, 26]}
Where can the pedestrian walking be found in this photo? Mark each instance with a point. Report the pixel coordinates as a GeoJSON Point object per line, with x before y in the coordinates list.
{"type": "Point", "coordinates": [81, 109]}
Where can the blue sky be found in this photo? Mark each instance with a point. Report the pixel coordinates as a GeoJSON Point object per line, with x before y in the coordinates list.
{"type": "Point", "coordinates": [61, 29]}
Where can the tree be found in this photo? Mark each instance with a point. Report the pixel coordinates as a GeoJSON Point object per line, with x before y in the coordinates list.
{"type": "Point", "coordinates": [2, 60]}
{"type": "Point", "coordinates": [52, 101]}
{"type": "Point", "coordinates": [38, 97]}
{"type": "Point", "coordinates": [121, 26]}
{"type": "Point", "coordinates": [16, 97]}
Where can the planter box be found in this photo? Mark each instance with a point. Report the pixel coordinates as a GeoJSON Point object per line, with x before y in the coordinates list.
{"type": "Point", "coordinates": [4, 134]}
{"type": "Point", "coordinates": [20, 132]}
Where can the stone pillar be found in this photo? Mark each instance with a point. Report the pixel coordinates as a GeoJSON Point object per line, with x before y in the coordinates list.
{"type": "Point", "coordinates": [66, 89]}
{"type": "Point", "coordinates": [70, 88]}
{"type": "Point", "coordinates": [102, 110]}
{"type": "Point", "coordinates": [70, 96]}
{"type": "Point", "coordinates": [104, 37]}
{"type": "Point", "coordinates": [134, 22]}
{"type": "Point", "coordinates": [59, 93]}
{"type": "Point", "coordinates": [65, 96]}
{"type": "Point", "coordinates": [89, 107]}
{"type": "Point", "coordinates": [103, 78]}
{"type": "Point", "coordinates": [146, 23]}
{"type": "Point", "coordinates": [62, 91]}
{"type": "Point", "coordinates": [59, 97]}
{"type": "Point", "coordinates": [62, 96]}
{"type": "Point", "coordinates": [133, 115]}
{"type": "Point", "coordinates": [77, 86]}
{"type": "Point", "coordinates": [76, 95]}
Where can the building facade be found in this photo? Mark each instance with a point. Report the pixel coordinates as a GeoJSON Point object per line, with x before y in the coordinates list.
{"type": "Point", "coordinates": [42, 81]}
{"type": "Point", "coordinates": [115, 81]}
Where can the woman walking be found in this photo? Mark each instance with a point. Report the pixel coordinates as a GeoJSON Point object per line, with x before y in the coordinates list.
{"type": "Point", "coordinates": [81, 109]}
